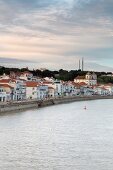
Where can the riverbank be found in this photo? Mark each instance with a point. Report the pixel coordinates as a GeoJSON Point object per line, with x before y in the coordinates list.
{"type": "Point", "coordinates": [23, 105]}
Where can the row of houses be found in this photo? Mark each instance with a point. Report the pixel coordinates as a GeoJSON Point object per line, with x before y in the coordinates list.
{"type": "Point", "coordinates": [24, 86]}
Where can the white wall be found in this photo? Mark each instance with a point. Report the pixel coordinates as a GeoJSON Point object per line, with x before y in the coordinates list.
{"type": "Point", "coordinates": [31, 92]}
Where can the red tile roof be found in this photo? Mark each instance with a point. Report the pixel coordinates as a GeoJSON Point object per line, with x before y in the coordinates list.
{"type": "Point", "coordinates": [5, 85]}
{"type": "Point", "coordinates": [5, 80]}
{"type": "Point", "coordinates": [82, 84]}
{"type": "Point", "coordinates": [31, 84]}
{"type": "Point", "coordinates": [80, 77]}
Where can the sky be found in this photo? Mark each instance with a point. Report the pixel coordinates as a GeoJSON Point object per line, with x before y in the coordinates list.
{"type": "Point", "coordinates": [55, 34]}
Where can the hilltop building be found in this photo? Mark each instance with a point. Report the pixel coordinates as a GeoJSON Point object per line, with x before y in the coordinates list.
{"type": "Point", "coordinates": [90, 79]}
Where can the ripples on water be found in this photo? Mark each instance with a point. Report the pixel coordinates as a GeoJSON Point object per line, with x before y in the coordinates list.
{"type": "Point", "coordinates": [62, 137]}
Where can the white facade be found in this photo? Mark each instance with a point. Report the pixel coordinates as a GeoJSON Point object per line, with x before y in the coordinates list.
{"type": "Point", "coordinates": [31, 92]}
{"type": "Point", "coordinates": [68, 89]}
{"type": "Point", "coordinates": [42, 92]}
{"type": "Point", "coordinates": [109, 88]}
{"type": "Point", "coordinates": [26, 76]}
{"type": "Point", "coordinates": [87, 91]}
{"type": "Point", "coordinates": [80, 79]}
{"type": "Point", "coordinates": [90, 79]}
{"type": "Point", "coordinates": [51, 92]}
{"type": "Point", "coordinates": [58, 88]}
{"type": "Point", "coordinates": [4, 95]}
{"type": "Point", "coordinates": [49, 79]}
{"type": "Point", "coordinates": [4, 76]}
{"type": "Point", "coordinates": [101, 91]}
{"type": "Point", "coordinates": [19, 92]}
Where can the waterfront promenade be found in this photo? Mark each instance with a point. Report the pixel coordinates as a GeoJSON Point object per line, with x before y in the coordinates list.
{"type": "Point", "coordinates": [27, 104]}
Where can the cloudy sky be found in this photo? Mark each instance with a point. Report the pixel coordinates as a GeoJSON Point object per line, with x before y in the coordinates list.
{"type": "Point", "coordinates": [57, 33]}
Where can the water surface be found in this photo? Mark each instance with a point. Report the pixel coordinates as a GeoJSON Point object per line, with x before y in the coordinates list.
{"type": "Point", "coordinates": [61, 137]}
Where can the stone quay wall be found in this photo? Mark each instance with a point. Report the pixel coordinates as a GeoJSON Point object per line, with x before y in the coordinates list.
{"type": "Point", "coordinates": [23, 105]}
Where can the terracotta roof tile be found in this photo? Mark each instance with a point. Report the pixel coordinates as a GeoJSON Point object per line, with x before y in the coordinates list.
{"type": "Point", "coordinates": [5, 80]}
{"type": "Point", "coordinates": [82, 84]}
{"type": "Point", "coordinates": [6, 85]}
{"type": "Point", "coordinates": [31, 84]}
{"type": "Point", "coordinates": [80, 77]}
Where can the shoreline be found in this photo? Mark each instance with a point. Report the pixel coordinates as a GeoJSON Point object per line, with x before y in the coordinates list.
{"type": "Point", "coordinates": [29, 104]}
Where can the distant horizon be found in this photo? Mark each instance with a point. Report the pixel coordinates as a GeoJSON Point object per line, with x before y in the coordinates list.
{"type": "Point", "coordinates": [42, 68]}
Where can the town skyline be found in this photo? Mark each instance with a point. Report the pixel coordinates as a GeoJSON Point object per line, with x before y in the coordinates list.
{"type": "Point", "coordinates": [79, 65]}
{"type": "Point", "coordinates": [56, 34]}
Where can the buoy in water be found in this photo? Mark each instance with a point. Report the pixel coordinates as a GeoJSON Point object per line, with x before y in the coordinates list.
{"type": "Point", "coordinates": [85, 108]}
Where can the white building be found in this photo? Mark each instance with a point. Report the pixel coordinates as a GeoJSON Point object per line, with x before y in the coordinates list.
{"type": "Point", "coordinates": [3, 95]}
{"type": "Point", "coordinates": [58, 88]}
{"type": "Point", "coordinates": [51, 92]}
{"type": "Point", "coordinates": [31, 90]}
{"type": "Point", "coordinates": [26, 75]}
{"type": "Point", "coordinates": [101, 90]}
{"type": "Point", "coordinates": [90, 79]}
{"type": "Point", "coordinates": [42, 92]}
{"type": "Point", "coordinates": [19, 89]}
{"type": "Point", "coordinates": [109, 87]}
{"type": "Point", "coordinates": [4, 76]}
{"type": "Point", "coordinates": [49, 79]}
{"type": "Point", "coordinates": [69, 88]}
{"type": "Point", "coordinates": [19, 92]}
{"type": "Point", "coordinates": [5, 92]}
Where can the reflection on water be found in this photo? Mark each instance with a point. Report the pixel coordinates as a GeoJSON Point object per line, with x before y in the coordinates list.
{"type": "Point", "coordinates": [62, 137]}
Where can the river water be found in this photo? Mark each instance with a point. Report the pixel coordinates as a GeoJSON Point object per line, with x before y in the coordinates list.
{"type": "Point", "coordinates": [60, 137]}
